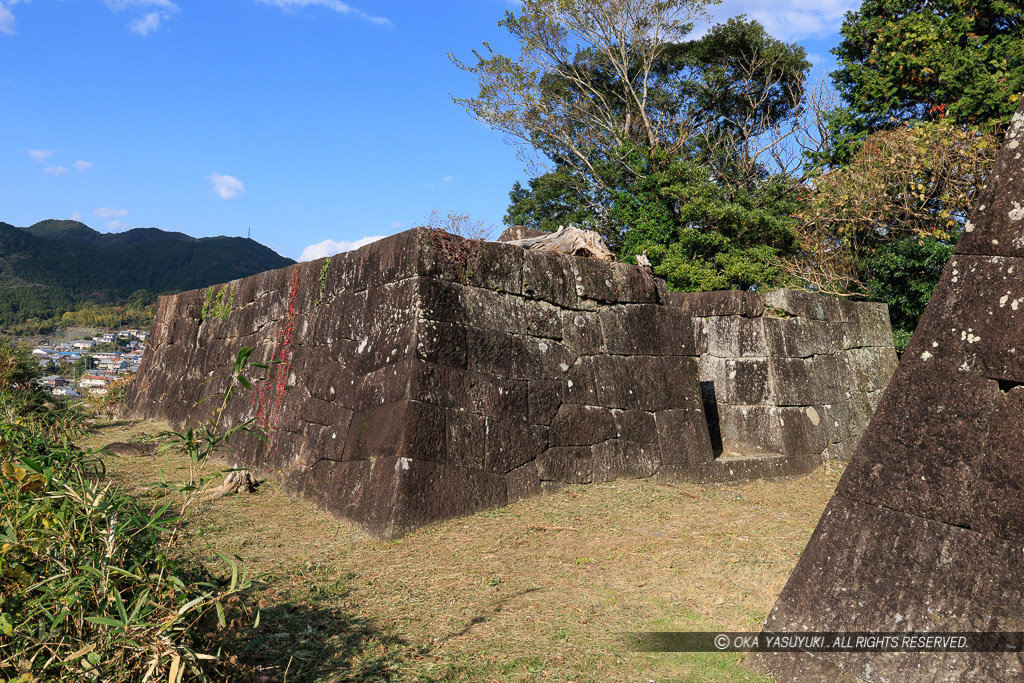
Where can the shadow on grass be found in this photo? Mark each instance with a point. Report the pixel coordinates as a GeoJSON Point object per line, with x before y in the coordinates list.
{"type": "Point", "coordinates": [310, 639]}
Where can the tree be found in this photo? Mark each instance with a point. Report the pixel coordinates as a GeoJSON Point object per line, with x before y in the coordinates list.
{"type": "Point", "coordinates": [17, 366]}
{"type": "Point", "coordinates": [584, 83]}
{"type": "Point", "coordinates": [600, 79]}
{"type": "Point", "coordinates": [914, 181]}
{"type": "Point", "coordinates": [925, 60]}
{"type": "Point", "coordinates": [702, 236]}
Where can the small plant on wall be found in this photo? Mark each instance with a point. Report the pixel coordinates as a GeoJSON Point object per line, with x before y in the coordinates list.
{"type": "Point", "coordinates": [218, 304]}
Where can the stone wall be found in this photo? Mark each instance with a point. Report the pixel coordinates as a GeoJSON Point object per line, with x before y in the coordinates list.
{"type": "Point", "coordinates": [790, 374]}
{"type": "Point", "coordinates": [425, 376]}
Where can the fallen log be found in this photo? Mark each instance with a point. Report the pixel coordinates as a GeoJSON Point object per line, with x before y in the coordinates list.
{"type": "Point", "coordinates": [570, 242]}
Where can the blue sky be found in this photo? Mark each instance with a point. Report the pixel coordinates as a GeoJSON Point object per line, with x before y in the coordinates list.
{"type": "Point", "coordinates": [310, 122]}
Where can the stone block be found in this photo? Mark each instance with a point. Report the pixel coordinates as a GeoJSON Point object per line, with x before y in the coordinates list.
{"type": "Point", "coordinates": [619, 458]}
{"type": "Point", "coordinates": [511, 443]}
{"type": "Point", "coordinates": [545, 396]}
{"type": "Point", "coordinates": [456, 388]}
{"type": "Point", "coordinates": [730, 302]}
{"type": "Point", "coordinates": [496, 267]}
{"type": "Point", "coordinates": [732, 336]}
{"type": "Point", "coordinates": [428, 492]}
{"type": "Point", "coordinates": [873, 366]}
{"type": "Point", "coordinates": [998, 505]}
{"type": "Point", "coordinates": [794, 302]}
{"type": "Point", "coordinates": [441, 343]}
{"type": "Point", "coordinates": [579, 385]}
{"type": "Point", "coordinates": [541, 319]}
{"type": "Point", "coordinates": [750, 429]}
{"type": "Point", "coordinates": [566, 464]}
{"type": "Point", "coordinates": [804, 430]}
{"type": "Point", "coordinates": [683, 436]}
{"type": "Point", "coordinates": [576, 425]}
{"type": "Point", "coordinates": [523, 482]}
{"type": "Point", "coordinates": [581, 332]}
{"type": "Point", "coordinates": [466, 440]}
{"type": "Point", "coordinates": [647, 329]}
{"type": "Point", "coordinates": [407, 429]}
{"type": "Point", "coordinates": [975, 319]}
{"type": "Point", "coordinates": [800, 337]}
{"type": "Point", "coordinates": [951, 419]}
{"type": "Point", "coordinates": [635, 425]}
{"type": "Point", "coordinates": [744, 381]}
{"type": "Point", "coordinates": [548, 278]}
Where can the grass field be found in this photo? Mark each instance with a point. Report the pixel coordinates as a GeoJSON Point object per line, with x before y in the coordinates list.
{"type": "Point", "coordinates": [538, 590]}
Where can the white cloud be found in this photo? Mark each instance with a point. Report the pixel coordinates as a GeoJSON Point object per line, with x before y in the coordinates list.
{"type": "Point", "coordinates": [56, 170]}
{"type": "Point", "coordinates": [117, 226]}
{"type": "Point", "coordinates": [82, 165]}
{"type": "Point", "coordinates": [397, 224]}
{"type": "Point", "coordinates": [332, 247]}
{"type": "Point", "coordinates": [6, 19]}
{"type": "Point", "coordinates": [40, 155]}
{"type": "Point", "coordinates": [75, 216]}
{"type": "Point", "coordinates": [788, 20]}
{"type": "Point", "coordinates": [227, 187]}
{"type": "Point", "coordinates": [448, 179]}
{"type": "Point", "coordinates": [335, 5]}
{"type": "Point", "coordinates": [107, 212]}
{"type": "Point", "coordinates": [146, 24]}
{"type": "Point", "coordinates": [156, 12]}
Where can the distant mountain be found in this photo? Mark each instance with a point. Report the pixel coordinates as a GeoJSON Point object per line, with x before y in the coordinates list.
{"type": "Point", "coordinates": [55, 266]}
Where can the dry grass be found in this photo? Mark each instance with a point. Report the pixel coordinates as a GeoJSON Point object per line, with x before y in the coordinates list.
{"type": "Point", "coordinates": [537, 590]}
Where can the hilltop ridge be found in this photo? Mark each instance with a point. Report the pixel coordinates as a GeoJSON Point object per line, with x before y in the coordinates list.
{"type": "Point", "coordinates": [55, 266]}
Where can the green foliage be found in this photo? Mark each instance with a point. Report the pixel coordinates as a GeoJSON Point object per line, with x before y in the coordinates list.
{"type": "Point", "coordinates": [903, 274]}
{"type": "Point", "coordinates": [906, 60]}
{"type": "Point", "coordinates": [550, 201]}
{"type": "Point", "coordinates": [698, 234]}
{"type": "Point", "coordinates": [323, 277]}
{"type": "Point", "coordinates": [17, 366]}
{"type": "Point", "coordinates": [218, 305]}
{"type": "Point", "coordinates": [89, 587]}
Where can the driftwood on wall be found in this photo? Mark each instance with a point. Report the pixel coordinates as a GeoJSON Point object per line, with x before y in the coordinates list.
{"type": "Point", "coordinates": [569, 241]}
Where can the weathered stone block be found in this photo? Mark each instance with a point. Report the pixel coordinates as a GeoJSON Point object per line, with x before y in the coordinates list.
{"type": "Point", "coordinates": [732, 336]}
{"type": "Point", "coordinates": [575, 425]}
{"type": "Point", "coordinates": [581, 332]}
{"type": "Point", "coordinates": [794, 302]}
{"type": "Point", "coordinates": [705, 304]}
{"type": "Point", "coordinates": [545, 396]}
{"type": "Point", "coordinates": [567, 464]}
{"type": "Point", "coordinates": [647, 329]}
{"type": "Point", "coordinates": [744, 381]}
{"type": "Point", "coordinates": [683, 436]}
{"type": "Point", "coordinates": [750, 429]}
{"type": "Point", "coordinates": [466, 438]}
{"type": "Point", "coordinates": [635, 425]}
{"type": "Point", "coordinates": [549, 278]}
{"type": "Point", "coordinates": [511, 443]}
{"type": "Point", "coordinates": [804, 431]}
{"type": "Point", "coordinates": [619, 458]}
{"type": "Point", "coordinates": [799, 337]}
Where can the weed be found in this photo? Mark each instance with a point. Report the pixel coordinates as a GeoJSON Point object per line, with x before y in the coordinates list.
{"type": "Point", "coordinates": [323, 278]}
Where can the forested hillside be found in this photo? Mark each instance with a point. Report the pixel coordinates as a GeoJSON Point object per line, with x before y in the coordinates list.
{"type": "Point", "coordinates": [55, 266]}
